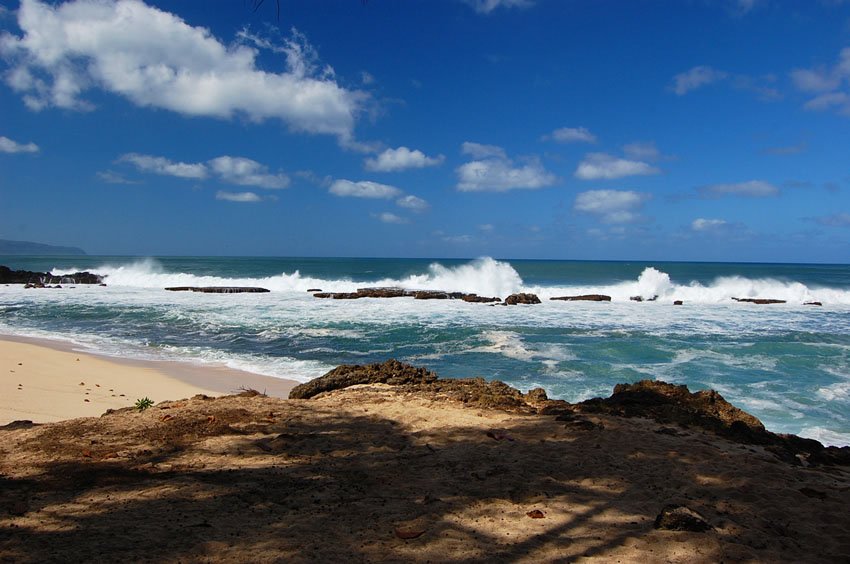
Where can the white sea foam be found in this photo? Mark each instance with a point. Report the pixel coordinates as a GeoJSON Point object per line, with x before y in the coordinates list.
{"type": "Point", "coordinates": [489, 277]}
{"type": "Point", "coordinates": [825, 436]}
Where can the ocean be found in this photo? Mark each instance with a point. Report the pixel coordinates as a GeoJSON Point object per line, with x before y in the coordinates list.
{"type": "Point", "coordinates": [788, 364]}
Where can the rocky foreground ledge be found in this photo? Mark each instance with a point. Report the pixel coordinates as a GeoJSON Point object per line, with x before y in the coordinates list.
{"type": "Point", "coordinates": [388, 462]}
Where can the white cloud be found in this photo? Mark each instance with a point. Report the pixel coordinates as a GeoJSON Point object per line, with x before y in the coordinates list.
{"type": "Point", "coordinates": [242, 197]}
{"type": "Point", "coordinates": [701, 224]}
{"type": "Point", "coordinates": [111, 177]}
{"type": "Point", "coordinates": [486, 227]}
{"type": "Point", "coordinates": [493, 171]}
{"type": "Point", "coordinates": [642, 151]}
{"type": "Point", "coordinates": [232, 170]}
{"type": "Point", "coordinates": [364, 189]}
{"type": "Point", "coordinates": [830, 86]}
{"type": "Point", "coordinates": [596, 166]}
{"type": "Point", "coordinates": [695, 78]}
{"type": "Point", "coordinates": [9, 146]}
{"type": "Point", "coordinates": [487, 6]}
{"type": "Point", "coordinates": [458, 239]}
{"type": "Point", "coordinates": [246, 172]}
{"type": "Point", "coordinates": [165, 167]}
{"type": "Point", "coordinates": [401, 159]}
{"type": "Point", "coordinates": [413, 203]}
{"type": "Point", "coordinates": [751, 189]}
{"type": "Point", "coordinates": [572, 135]}
{"type": "Point", "coordinates": [479, 151]}
{"type": "Point", "coordinates": [155, 59]}
{"type": "Point", "coordinates": [387, 217]}
{"type": "Point", "coordinates": [611, 206]}
{"type": "Point", "coordinates": [366, 78]}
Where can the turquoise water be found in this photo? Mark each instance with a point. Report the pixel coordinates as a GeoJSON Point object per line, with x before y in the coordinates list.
{"type": "Point", "coordinates": [788, 364]}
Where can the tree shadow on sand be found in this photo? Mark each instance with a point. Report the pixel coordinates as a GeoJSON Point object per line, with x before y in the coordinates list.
{"type": "Point", "coordinates": [297, 481]}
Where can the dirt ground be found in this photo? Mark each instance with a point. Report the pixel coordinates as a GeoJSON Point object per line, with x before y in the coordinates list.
{"type": "Point", "coordinates": [376, 473]}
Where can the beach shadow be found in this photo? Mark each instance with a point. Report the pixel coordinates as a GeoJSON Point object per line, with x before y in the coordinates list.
{"type": "Point", "coordinates": [316, 485]}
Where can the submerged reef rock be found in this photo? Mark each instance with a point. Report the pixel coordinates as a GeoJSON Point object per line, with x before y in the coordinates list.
{"type": "Point", "coordinates": [759, 301]}
{"type": "Point", "coordinates": [708, 410]}
{"type": "Point", "coordinates": [515, 299]}
{"type": "Point", "coordinates": [41, 279]}
{"type": "Point", "coordinates": [586, 298]}
{"type": "Point", "coordinates": [219, 289]}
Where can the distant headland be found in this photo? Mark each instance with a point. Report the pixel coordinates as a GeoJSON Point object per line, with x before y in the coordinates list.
{"type": "Point", "coordinates": [29, 248]}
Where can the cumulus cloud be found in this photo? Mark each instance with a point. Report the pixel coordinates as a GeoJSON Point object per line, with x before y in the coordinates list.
{"type": "Point", "coordinates": [111, 177]}
{"type": "Point", "coordinates": [487, 6]}
{"type": "Point", "coordinates": [611, 206]}
{"type": "Point", "coordinates": [402, 158]}
{"type": "Point", "coordinates": [232, 170]}
{"type": "Point", "coordinates": [829, 86]}
{"type": "Point", "coordinates": [165, 167]}
{"type": "Point", "coordinates": [479, 151]}
{"type": "Point", "coordinates": [695, 78]}
{"type": "Point", "coordinates": [596, 166]}
{"type": "Point", "coordinates": [364, 189]}
{"type": "Point", "coordinates": [241, 197]}
{"type": "Point", "coordinates": [387, 217]}
{"type": "Point", "coordinates": [701, 224]}
{"type": "Point", "coordinates": [246, 172]}
{"type": "Point", "coordinates": [750, 189]}
{"type": "Point", "coordinates": [9, 146]}
{"type": "Point", "coordinates": [155, 59]}
{"type": "Point", "coordinates": [493, 171]}
{"type": "Point", "coordinates": [642, 151]}
{"type": "Point", "coordinates": [571, 135]}
{"type": "Point", "coordinates": [413, 203]}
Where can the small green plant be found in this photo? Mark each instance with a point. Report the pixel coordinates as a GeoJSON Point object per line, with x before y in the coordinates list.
{"type": "Point", "coordinates": [144, 403]}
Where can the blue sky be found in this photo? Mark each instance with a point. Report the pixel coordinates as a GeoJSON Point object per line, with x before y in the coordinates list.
{"type": "Point", "coordinates": [566, 129]}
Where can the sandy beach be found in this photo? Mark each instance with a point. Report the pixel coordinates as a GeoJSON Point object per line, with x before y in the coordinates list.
{"type": "Point", "coordinates": [44, 381]}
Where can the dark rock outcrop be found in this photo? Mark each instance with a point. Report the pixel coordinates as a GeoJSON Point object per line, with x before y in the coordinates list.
{"type": "Point", "coordinates": [219, 289]}
{"type": "Point", "coordinates": [430, 295]}
{"type": "Point", "coordinates": [759, 301]}
{"type": "Point", "coordinates": [475, 298]}
{"type": "Point", "coordinates": [311, 290]}
{"type": "Point", "coordinates": [678, 302]}
{"type": "Point", "coordinates": [813, 303]}
{"type": "Point", "coordinates": [681, 518]}
{"type": "Point", "coordinates": [708, 410]}
{"type": "Point", "coordinates": [40, 279]}
{"type": "Point", "coordinates": [381, 292]}
{"type": "Point", "coordinates": [515, 299]}
{"type": "Point", "coordinates": [641, 298]}
{"type": "Point", "coordinates": [584, 298]}
{"type": "Point", "coordinates": [390, 372]}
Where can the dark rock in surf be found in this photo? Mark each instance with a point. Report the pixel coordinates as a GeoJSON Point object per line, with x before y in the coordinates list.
{"type": "Point", "coordinates": [759, 301]}
{"type": "Point", "coordinates": [474, 298]}
{"type": "Point", "coordinates": [678, 302]}
{"type": "Point", "coordinates": [219, 289]}
{"type": "Point", "coordinates": [430, 295]}
{"type": "Point", "coordinates": [40, 279]}
{"type": "Point", "coordinates": [380, 292]}
{"type": "Point", "coordinates": [584, 298]}
{"type": "Point", "coordinates": [813, 303]}
{"type": "Point", "coordinates": [515, 299]}
{"type": "Point", "coordinates": [311, 290]}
